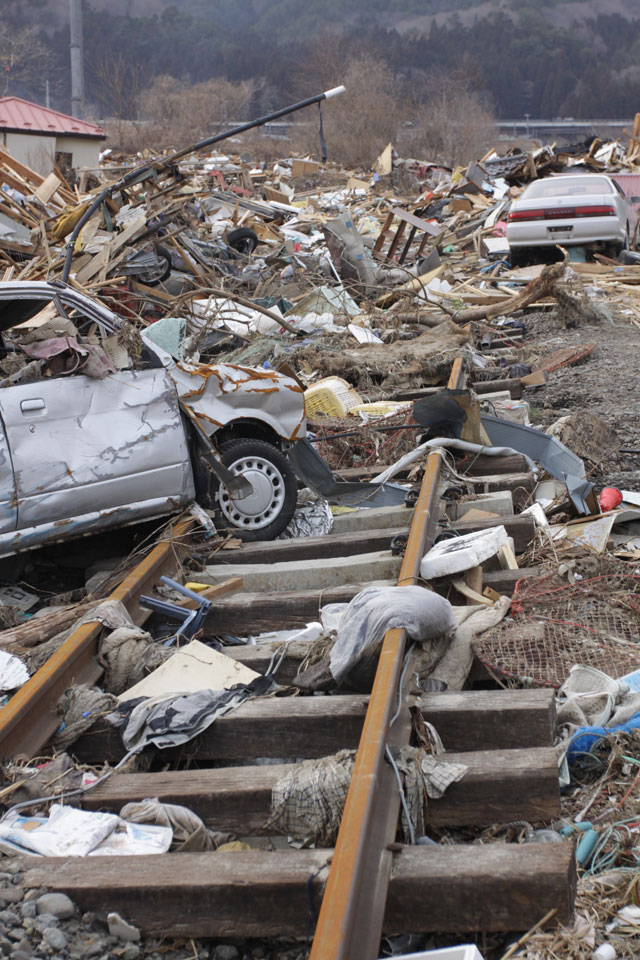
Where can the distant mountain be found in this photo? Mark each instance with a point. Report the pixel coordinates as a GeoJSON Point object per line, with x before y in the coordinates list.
{"type": "Point", "coordinates": [576, 58]}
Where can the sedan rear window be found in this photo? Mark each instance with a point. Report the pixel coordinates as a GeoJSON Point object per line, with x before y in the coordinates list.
{"type": "Point", "coordinates": [566, 187]}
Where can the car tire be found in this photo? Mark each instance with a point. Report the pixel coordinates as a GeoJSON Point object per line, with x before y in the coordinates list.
{"type": "Point", "coordinates": [161, 272]}
{"type": "Point", "coordinates": [267, 512]}
{"type": "Point", "coordinates": [518, 258]}
{"type": "Point", "coordinates": [243, 240]}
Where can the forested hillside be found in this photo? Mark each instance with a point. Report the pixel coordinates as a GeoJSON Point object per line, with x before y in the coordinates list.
{"type": "Point", "coordinates": [523, 56]}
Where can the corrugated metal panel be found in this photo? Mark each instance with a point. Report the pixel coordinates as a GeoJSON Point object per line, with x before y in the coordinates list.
{"type": "Point", "coordinates": [19, 114]}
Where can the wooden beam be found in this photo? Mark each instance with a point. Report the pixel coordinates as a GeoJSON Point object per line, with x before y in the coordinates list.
{"type": "Point", "coordinates": [493, 887]}
{"type": "Point", "coordinates": [521, 528]}
{"type": "Point", "coordinates": [353, 543]}
{"type": "Point", "coordinates": [458, 888]}
{"type": "Point", "coordinates": [290, 727]}
{"type": "Point", "coordinates": [491, 719]}
{"type": "Point", "coordinates": [499, 786]}
{"type": "Point", "coordinates": [483, 464]}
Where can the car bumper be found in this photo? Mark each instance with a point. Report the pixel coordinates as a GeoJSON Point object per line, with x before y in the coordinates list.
{"type": "Point", "coordinates": [546, 233]}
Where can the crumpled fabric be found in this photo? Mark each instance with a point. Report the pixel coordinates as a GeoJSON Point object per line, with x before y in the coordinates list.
{"type": "Point", "coordinates": [425, 776]}
{"type": "Point", "coordinates": [128, 654]}
{"type": "Point", "coordinates": [170, 721]}
{"type": "Point", "coordinates": [312, 517]}
{"type": "Point", "coordinates": [425, 616]}
{"type": "Point", "coordinates": [589, 697]}
{"type": "Point", "coordinates": [79, 707]}
{"type": "Point", "coordinates": [454, 668]}
{"type": "Point", "coordinates": [189, 832]}
{"type": "Point", "coordinates": [307, 803]}
{"type": "Point", "coordinates": [64, 355]}
{"type": "Point", "coordinates": [591, 705]}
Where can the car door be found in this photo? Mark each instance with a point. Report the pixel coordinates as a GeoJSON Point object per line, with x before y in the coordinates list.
{"type": "Point", "coordinates": [8, 499]}
{"type": "Point", "coordinates": [80, 445]}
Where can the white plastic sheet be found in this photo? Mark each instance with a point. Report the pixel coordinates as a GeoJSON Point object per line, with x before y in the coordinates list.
{"type": "Point", "coordinates": [69, 832]}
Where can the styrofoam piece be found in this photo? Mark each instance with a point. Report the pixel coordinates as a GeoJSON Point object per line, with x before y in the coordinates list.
{"type": "Point", "coordinates": [13, 672]}
{"type": "Point", "coordinates": [462, 553]}
{"type": "Point", "coordinates": [194, 667]}
{"type": "Point", "coordinates": [466, 951]}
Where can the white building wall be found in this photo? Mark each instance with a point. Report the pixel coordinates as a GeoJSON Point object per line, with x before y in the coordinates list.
{"type": "Point", "coordinates": [86, 153]}
{"type": "Point", "coordinates": [38, 151]}
{"type": "Point", "coordinates": [35, 150]}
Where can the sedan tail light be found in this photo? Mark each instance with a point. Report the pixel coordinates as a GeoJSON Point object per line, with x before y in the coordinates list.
{"type": "Point", "coordinates": [598, 210]}
{"type": "Point", "coordinates": [563, 213]}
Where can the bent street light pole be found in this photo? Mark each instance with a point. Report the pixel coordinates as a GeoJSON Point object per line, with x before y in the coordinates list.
{"type": "Point", "coordinates": [140, 173]}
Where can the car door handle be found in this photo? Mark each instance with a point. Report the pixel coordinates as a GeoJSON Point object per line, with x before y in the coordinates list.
{"type": "Point", "coordinates": [29, 406]}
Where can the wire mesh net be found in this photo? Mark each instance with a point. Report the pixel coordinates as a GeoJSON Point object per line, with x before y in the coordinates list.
{"type": "Point", "coordinates": [594, 621]}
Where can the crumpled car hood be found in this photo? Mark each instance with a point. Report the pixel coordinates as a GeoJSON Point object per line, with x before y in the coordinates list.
{"type": "Point", "coordinates": [224, 392]}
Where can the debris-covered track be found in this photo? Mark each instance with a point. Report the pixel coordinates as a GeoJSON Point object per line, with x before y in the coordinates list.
{"type": "Point", "coordinates": [368, 882]}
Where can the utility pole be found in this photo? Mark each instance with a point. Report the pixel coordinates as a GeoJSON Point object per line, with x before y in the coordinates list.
{"type": "Point", "coordinates": [77, 59]}
{"type": "Point", "coordinates": [47, 100]}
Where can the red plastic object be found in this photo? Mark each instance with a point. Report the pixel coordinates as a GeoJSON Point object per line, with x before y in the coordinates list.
{"type": "Point", "coordinates": [610, 498]}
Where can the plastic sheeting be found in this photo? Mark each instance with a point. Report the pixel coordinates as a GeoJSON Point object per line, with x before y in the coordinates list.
{"type": "Point", "coordinates": [424, 615]}
{"type": "Point", "coordinates": [169, 721]}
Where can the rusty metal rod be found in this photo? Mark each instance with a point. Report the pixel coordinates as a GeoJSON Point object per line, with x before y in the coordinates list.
{"type": "Point", "coordinates": [350, 922]}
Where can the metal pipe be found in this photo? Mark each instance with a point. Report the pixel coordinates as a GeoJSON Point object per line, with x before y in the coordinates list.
{"type": "Point", "coordinates": [350, 922]}
{"type": "Point", "coordinates": [77, 60]}
{"type": "Point", "coordinates": [160, 165]}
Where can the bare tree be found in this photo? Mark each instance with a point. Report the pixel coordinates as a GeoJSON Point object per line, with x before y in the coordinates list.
{"type": "Point", "coordinates": [360, 124]}
{"type": "Point", "coordinates": [24, 59]}
{"type": "Point", "coordinates": [452, 123]}
{"type": "Point", "coordinates": [178, 114]}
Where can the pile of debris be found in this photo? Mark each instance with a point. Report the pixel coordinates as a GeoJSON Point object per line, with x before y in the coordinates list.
{"type": "Point", "coordinates": [222, 309]}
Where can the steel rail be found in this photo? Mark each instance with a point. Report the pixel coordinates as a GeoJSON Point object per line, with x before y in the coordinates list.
{"type": "Point", "coordinates": [30, 719]}
{"type": "Point", "coordinates": [350, 922]}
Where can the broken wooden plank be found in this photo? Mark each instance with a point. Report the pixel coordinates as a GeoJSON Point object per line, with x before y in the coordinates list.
{"type": "Point", "coordinates": [258, 893]}
{"type": "Point", "coordinates": [499, 786]}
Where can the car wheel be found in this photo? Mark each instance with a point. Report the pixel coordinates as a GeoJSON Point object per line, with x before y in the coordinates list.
{"type": "Point", "coordinates": [267, 511]}
{"type": "Point", "coordinates": [243, 240]}
{"type": "Point", "coordinates": [161, 271]}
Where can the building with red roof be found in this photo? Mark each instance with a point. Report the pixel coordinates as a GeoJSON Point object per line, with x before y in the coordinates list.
{"type": "Point", "coordinates": [39, 137]}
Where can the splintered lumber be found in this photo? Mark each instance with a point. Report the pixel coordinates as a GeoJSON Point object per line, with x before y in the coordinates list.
{"type": "Point", "coordinates": [271, 894]}
{"type": "Point", "coordinates": [499, 786]}
{"type": "Point", "coordinates": [539, 288]}
{"type": "Point", "coordinates": [291, 727]}
{"type": "Point", "coordinates": [38, 629]}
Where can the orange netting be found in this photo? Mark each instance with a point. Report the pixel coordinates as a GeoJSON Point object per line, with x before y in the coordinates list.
{"type": "Point", "coordinates": [593, 622]}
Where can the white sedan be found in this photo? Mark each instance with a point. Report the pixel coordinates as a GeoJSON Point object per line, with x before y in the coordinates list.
{"type": "Point", "coordinates": [572, 210]}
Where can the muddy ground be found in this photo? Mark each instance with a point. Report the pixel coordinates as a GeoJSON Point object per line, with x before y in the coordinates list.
{"type": "Point", "coordinates": [606, 383]}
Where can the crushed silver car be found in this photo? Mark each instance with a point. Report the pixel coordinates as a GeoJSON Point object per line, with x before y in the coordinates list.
{"type": "Point", "coordinates": [92, 437]}
{"type": "Point", "coordinates": [572, 210]}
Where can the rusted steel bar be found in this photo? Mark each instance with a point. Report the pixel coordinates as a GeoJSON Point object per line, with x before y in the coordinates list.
{"type": "Point", "coordinates": [30, 719]}
{"type": "Point", "coordinates": [350, 921]}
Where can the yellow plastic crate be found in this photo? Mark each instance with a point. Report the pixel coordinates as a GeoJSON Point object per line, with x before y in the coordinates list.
{"type": "Point", "coordinates": [331, 397]}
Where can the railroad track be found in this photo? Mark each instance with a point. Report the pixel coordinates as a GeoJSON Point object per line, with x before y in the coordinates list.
{"type": "Point", "coordinates": [347, 897]}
